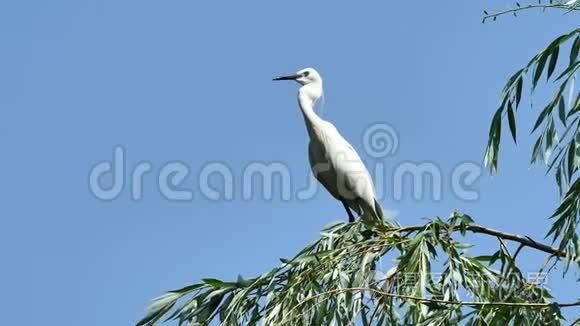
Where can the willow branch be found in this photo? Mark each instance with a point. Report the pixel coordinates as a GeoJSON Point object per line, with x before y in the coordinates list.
{"type": "Point", "coordinates": [476, 228]}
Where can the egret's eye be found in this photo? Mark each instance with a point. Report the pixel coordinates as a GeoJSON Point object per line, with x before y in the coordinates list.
{"type": "Point", "coordinates": [306, 73]}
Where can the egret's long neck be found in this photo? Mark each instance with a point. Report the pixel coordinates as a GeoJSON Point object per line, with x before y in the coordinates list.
{"type": "Point", "coordinates": [307, 96]}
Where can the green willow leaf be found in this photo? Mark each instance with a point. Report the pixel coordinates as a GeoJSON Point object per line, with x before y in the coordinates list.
{"type": "Point", "coordinates": [550, 140]}
{"type": "Point", "coordinates": [559, 179]}
{"type": "Point", "coordinates": [539, 69]}
{"type": "Point", "coordinates": [571, 156]}
{"type": "Point", "coordinates": [547, 110]}
{"type": "Point", "coordinates": [491, 156]}
{"type": "Point", "coordinates": [519, 86]}
{"type": "Point", "coordinates": [574, 50]}
{"type": "Point", "coordinates": [512, 121]}
{"type": "Point", "coordinates": [562, 111]}
{"type": "Point", "coordinates": [188, 288]}
{"type": "Point", "coordinates": [553, 61]}
{"type": "Point", "coordinates": [215, 283]}
{"type": "Point", "coordinates": [537, 149]}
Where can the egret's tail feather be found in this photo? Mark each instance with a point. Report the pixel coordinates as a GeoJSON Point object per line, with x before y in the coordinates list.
{"type": "Point", "coordinates": [372, 212]}
{"type": "Point", "coordinates": [378, 210]}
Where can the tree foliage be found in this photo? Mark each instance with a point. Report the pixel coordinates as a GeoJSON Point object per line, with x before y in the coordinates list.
{"type": "Point", "coordinates": [337, 280]}
{"type": "Point", "coordinates": [557, 128]}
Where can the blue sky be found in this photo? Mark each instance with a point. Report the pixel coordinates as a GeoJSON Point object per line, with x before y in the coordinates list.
{"type": "Point", "coordinates": [191, 81]}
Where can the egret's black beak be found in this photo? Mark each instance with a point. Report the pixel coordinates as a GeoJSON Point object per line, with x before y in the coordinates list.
{"type": "Point", "coordinates": [290, 77]}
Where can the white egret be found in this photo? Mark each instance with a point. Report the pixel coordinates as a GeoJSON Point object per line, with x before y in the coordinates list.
{"type": "Point", "coordinates": [335, 164]}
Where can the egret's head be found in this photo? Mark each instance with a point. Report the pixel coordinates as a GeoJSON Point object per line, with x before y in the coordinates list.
{"type": "Point", "coordinates": [305, 77]}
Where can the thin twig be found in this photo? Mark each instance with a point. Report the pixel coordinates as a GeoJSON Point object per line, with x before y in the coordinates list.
{"type": "Point", "coordinates": [559, 6]}
{"type": "Point", "coordinates": [518, 250]}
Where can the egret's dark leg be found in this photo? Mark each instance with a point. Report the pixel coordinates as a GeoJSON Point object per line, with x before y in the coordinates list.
{"type": "Point", "coordinates": [350, 216]}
